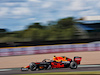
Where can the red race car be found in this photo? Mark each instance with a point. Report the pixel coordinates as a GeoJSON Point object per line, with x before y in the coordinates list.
{"type": "Point", "coordinates": [57, 62]}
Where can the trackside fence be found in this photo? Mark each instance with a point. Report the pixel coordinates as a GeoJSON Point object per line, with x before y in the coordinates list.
{"type": "Point", "coordinates": [49, 49]}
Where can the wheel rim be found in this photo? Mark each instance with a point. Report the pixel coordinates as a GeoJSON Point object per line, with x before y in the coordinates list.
{"type": "Point", "coordinates": [74, 66]}
{"type": "Point", "coordinates": [34, 67]}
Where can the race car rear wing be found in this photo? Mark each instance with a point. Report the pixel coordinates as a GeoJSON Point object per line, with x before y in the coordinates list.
{"type": "Point", "coordinates": [77, 59]}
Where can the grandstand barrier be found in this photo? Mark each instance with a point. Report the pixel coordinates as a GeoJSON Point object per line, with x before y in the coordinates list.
{"type": "Point", "coordinates": [49, 49]}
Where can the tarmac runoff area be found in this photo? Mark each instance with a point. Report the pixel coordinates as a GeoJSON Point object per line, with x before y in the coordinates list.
{"type": "Point", "coordinates": [81, 68]}
{"type": "Point", "coordinates": [90, 58]}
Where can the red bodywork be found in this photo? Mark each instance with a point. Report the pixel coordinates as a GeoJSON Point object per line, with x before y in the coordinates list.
{"type": "Point", "coordinates": [57, 62]}
{"type": "Point", "coordinates": [77, 60]}
{"type": "Point", "coordinates": [59, 59]}
{"type": "Point", "coordinates": [57, 65]}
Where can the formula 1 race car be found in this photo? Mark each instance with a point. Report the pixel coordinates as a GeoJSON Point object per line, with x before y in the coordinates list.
{"type": "Point", "coordinates": [57, 62]}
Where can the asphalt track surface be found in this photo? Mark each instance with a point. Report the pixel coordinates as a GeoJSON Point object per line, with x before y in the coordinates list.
{"type": "Point", "coordinates": [17, 71]}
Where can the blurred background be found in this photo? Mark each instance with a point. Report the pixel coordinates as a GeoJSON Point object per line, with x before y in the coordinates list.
{"type": "Point", "coordinates": [33, 30]}
{"type": "Point", "coordinates": [48, 22]}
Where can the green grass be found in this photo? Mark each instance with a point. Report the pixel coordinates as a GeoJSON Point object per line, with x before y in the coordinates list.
{"type": "Point", "coordinates": [65, 73]}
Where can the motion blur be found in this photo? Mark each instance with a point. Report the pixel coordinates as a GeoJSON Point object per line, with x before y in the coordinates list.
{"type": "Point", "coordinates": [33, 30]}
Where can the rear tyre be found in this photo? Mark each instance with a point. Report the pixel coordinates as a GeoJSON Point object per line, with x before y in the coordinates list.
{"type": "Point", "coordinates": [32, 66]}
{"type": "Point", "coordinates": [73, 65]}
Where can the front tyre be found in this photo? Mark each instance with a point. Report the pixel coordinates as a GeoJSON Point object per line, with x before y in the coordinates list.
{"type": "Point", "coordinates": [73, 65]}
{"type": "Point", "coordinates": [32, 66]}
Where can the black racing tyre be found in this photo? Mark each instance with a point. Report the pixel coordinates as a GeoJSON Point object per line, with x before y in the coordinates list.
{"type": "Point", "coordinates": [49, 67]}
{"type": "Point", "coordinates": [73, 65]}
{"type": "Point", "coordinates": [32, 66]}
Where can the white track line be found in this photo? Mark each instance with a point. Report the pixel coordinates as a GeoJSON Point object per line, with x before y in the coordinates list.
{"type": "Point", "coordinates": [89, 66]}
{"type": "Point", "coordinates": [5, 69]}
